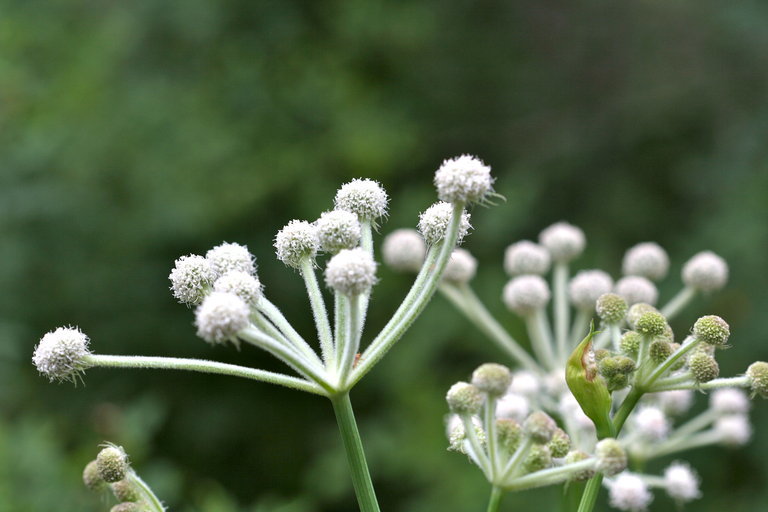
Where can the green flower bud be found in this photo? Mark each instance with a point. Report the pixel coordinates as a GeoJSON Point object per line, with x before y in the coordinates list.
{"type": "Point", "coordinates": [126, 507]}
{"type": "Point", "coordinates": [615, 365]}
{"type": "Point", "coordinates": [509, 433]}
{"type": "Point", "coordinates": [539, 457]}
{"type": "Point", "coordinates": [680, 362]}
{"type": "Point", "coordinates": [578, 456]}
{"type": "Point", "coordinates": [611, 457]}
{"type": "Point", "coordinates": [758, 378]}
{"type": "Point", "coordinates": [703, 367]}
{"type": "Point", "coordinates": [660, 350]}
{"type": "Point", "coordinates": [651, 323]}
{"type": "Point", "coordinates": [464, 398]}
{"type": "Point", "coordinates": [588, 386]}
{"type": "Point", "coordinates": [491, 378]}
{"type": "Point", "coordinates": [617, 382]}
{"type": "Point", "coordinates": [611, 308]}
{"type": "Point", "coordinates": [125, 490]}
{"type": "Point", "coordinates": [112, 463]}
{"type": "Point", "coordinates": [630, 343]}
{"type": "Point", "coordinates": [91, 477]}
{"type": "Point", "coordinates": [601, 354]}
{"type": "Point", "coordinates": [636, 311]}
{"type": "Point", "coordinates": [560, 443]}
{"type": "Point", "coordinates": [712, 330]}
{"type": "Point", "coordinates": [668, 335]}
{"type": "Point", "coordinates": [539, 426]}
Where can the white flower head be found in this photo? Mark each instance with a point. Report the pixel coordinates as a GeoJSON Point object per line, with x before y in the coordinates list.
{"type": "Point", "coordinates": [647, 259]}
{"type": "Point", "coordinates": [526, 257]}
{"type": "Point", "coordinates": [651, 423]}
{"type": "Point", "coordinates": [297, 241]}
{"type": "Point", "coordinates": [636, 289]}
{"type": "Point", "coordinates": [365, 198]}
{"type": "Point", "coordinates": [461, 267]}
{"type": "Point", "coordinates": [434, 221]}
{"type": "Point", "coordinates": [729, 401]}
{"type": "Point", "coordinates": [513, 406]}
{"type": "Point", "coordinates": [629, 492]}
{"type": "Point", "coordinates": [190, 279]}
{"type": "Point", "coordinates": [675, 402]}
{"type": "Point", "coordinates": [569, 407]}
{"type": "Point", "coordinates": [587, 286]}
{"type": "Point", "coordinates": [525, 383]}
{"type": "Point", "coordinates": [681, 482]}
{"type": "Point", "coordinates": [734, 429]}
{"type": "Point", "coordinates": [464, 179]}
{"type": "Point", "coordinates": [221, 316]}
{"type": "Point", "coordinates": [351, 272]}
{"type": "Point", "coordinates": [60, 355]}
{"type": "Point", "coordinates": [705, 272]}
{"type": "Point", "coordinates": [404, 250]}
{"type": "Point", "coordinates": [563, 241]}
{"type": "Point", "coordinates": [226, 257]}
{"type": "Point", "coordinates": [242, 284]}
{"type": "Point", "coordinates": [337, 230]}
{"type": "Point", "coordinates": [526, 294]}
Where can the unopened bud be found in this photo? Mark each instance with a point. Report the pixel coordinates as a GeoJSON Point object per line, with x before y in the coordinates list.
{"type": "Point", "coordinates": [560, 444]}
{"type": "Point", "coordinates": [611, 457]}
{"type": "Point", "coordinates": [587, 286]}
{"type": "Point", "coordinates": [637, 310]}
{"type": "Point", "coordinates": [526, 257]}
{"type": "Point", "coordinates": [757, 373]}
{"type": "Point", "coordinates": [112, 464]}
{"type": "Point", "coordinates": [125, 490]}
{"type": "Point", "coordinates": [659, 351]}
{"type": "Point", "coordinates": [539, 457]}
{"type": "Point", "coordinates": [434, 221]}
{"type": "Point", "coordinates": [461, 267]}
{"type": "Point", "coordinates": [539, 426]}
{"type": "Point", "coordinates": [492, 378]}
{"type": "Point", "coordinates": [611, 308]}
{"type": "Point", "coordinates": [651, 324]}
{"type": "Point", "coordinates": [364, 197]}
{"type": "Point", "coordinates": [464, 179]}
{"type": "Point", "coordinates": [509, 433]}
{"type": "Point", "coordinates": [351, 272]}
{"type": "Point", "coordinates": [630, 343]}
{"type": "Point", "coordinates": [646, 259]}
{"type": "Point", "coordinates": [526, 294]}
{"type": "Point", "coordinates": [337, 230]}
{"type": "Point", "coordinates": [91, 477]}
{"type": "Point", "coordinates": [706, 272]}
{"type": "Point", "coordinates": [464, 398]}
{"type": "Point", "coordinates": [637, 289]}
{"type": "Point", "coordinates": [703, 367]}
{"type": "Point", "coordinates": [563, 241]}
{"type": "Point", "coordinates": [712, 330]}
{"type": "Point", "coordinates": [578, 456]}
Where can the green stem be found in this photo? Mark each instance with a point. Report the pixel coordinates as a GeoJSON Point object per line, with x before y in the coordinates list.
{"type": "Point", "coordinates": [353, 446]}
{"type": "Point", "coordinates": [366, 242]}
{"type": "Point", "coordinates": [678, 302]}
{"type": "Point", "coordinates": [147, 495]}
{"type": "Point", "coordinates": [495, 500]}
{"type": "Point", "coordinates": [318, 309]}
{"type": "Point", "coordinates": [560, 278]}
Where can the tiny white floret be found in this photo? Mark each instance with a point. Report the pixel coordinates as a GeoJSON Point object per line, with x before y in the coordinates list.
{"type": "Point", "coordinates": [365, 198]}
{"type": "Point", "coordinates": [351, 272]}
{"type": "Point", "coordinates": [464, 179]}
{"type": "Point", "coordinates": [337, 230]}
{"type": "Point", "coordinates": [60, 354]}
{"type": "Point", "coordinates": [191, 279]}
{"type": "Point", "coordinates": [296, 242]}
{"type": "Point", "coordinates": [221, 316]}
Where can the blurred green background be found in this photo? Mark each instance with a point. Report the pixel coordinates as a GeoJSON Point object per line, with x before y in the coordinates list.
{"type": "Point", "coordinates": [134, 132]}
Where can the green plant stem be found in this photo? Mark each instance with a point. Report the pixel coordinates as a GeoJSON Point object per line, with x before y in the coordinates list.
{"type": "Point", "coordinates": [366, 242]}
{"type": "Point", "coordinates": [283, 325]}
{"type": "Point", "coordinates": [203, 366]}
{"type": "Point", "coordinates": [495, 499]}
{"type": "Point", "coordinates": [353, 446]}
{"type": "Point", "coordinates": [562, 313]}
{"type": "Point", "coordinates": [146, 493]}
{"type": "Point", "coordinates": [678, 302]}
{"type": "Point", "coordinates": [318, 309]}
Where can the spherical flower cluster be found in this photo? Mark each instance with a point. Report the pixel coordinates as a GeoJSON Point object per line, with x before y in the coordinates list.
{"type": "Point", "coordinates": [526, 257]}
{"type": "Point", "coordinates": [526, 294]}
{"type": "Point", "coordinates": [651, 423]}
{"type": "Point", "coordinates": [675, 402]}
{"type": "Point", "coordinates": [611, 308]}
{"type": "Point", "coordinates": [757, 373]}
{"type": "Point", "coordinates": [112, 463]}
{"type": "Point", "coordinates": [221, 316]}
{"type": "Point", "coordinates": [464, 398]}
{"type": "Point", "coordinates": [733, 429]}
{"type": "Point", "coordinates": [434, 221]}
{"type": "Point", "coordinates": [190, 278]}
{"type": "Point", "coordinates": [705, 272]}
{"type": "Point", "coordinates": [227, 257]}
{"type": "Point", "coordinates": [629, 492]}
{"type": "Point", "coordinates": [337, 230]}
{"type": "Point", "coordinates": [525, 383]}
{"type": "Point", "coordinates": [712, 330]}
{"type": "Point", "coordinates": [351, 272]}
{"type": "Point", "coordinates": [364, 197]}
{"type": "Point", "coordinates": [646, 259]}
{"type": "Point", "coordinates": [404, 250]}
{"type": "Point", "coordinates": [637, 289]}
{"type": "Point", "coordinates": [563, 241]}
{"type": "Point", "coordinates": [611, 457]}
{"type": "Point", "coordinates": [636, 311]}
{"type": "Point", "coordinates": [513, 406]}
{"type": "Point", "coordinates": [492, 378]}
{"type": "Point", "coordinates": [297, 241]}
{"type": "Point", "coordinates": [464, 179]}
{"type": "Point", "coordinates": [729, 401]}
{"type": "Point", "coordinates": [587, 286]}
{"type": "Point", "coordinates": [91, 477]}
{"type": "Point", "coordinates": [61, 354]}
{"type": "Point", "coordinates": [681, 483]}
{"type": "Point", "coordinates": [651, 323]}
{"type": "Point", "coordinates": [539, 426]}
{"type": "Point", "coordinates": [461, 267]}
{"type": "Point", "coordinates": [242, 284]}
{"type": "Point", "coordinates": [703, 367]}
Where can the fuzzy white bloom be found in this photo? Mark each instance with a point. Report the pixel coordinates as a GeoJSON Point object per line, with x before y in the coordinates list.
{"type": "Point", "coordinates": [351, 272]}
{"type": "Point", "coordinates": [464, 179]}
{"type": "Point", "coordinates": [525, 383]}
{"type": "Point", "coordinates": [587, 286]}
{"type": "Point", "coordinates": [563, 241]}
{"type": "Point", "coordinates": [364, 197]}
{"type": "Point", "coordinates": [242, 284]}
{"type": "Point", "coordinates": [226, 257]}
{"type": "Point", "coordinates": [636, 289]}
{"type": "Point", "coordinates": [434, 221]}
{"type": "Point", "coordinates": [733, 430]}
{"type": "Point", "coordinates": [60, 354]}
{"type": "Point", "coordinates": [569, 407]}
{"type": "Point", "coordinates": [526, 294]}
{"type": "Point", "coordinates": [190, 278]}
{"type": "Point", "coordinates": [461, 267]}
{"type": "Point", "coordinates": [296, 241]}
{"type": "Point", "coordinates": [629, 492]}
{"type": "Point", "coordinates": [706, 272]}
{"type": "Point", "coordinates": [513, 406]}
{"type": "Point", "coordinates": [729, 401]}
{"type": "Point", "coordinates": [221, 316]}
{"type": "Point", "coordinates": [526, 257]}
{"type": "Point", "coordinates": [647, 259]}
{"type": "Point", "coordinates": [455, 426]}
{"type": "Point", "coordinates": [681, 482]}
{"type": "Point", "coordinates": [404, 250]}
{"type": "Point", "coordinates": [651, 423]}
{"type": "Point", "coordinates": [675, 402]}
{"type": "Point", "coordinates": [337, 230]}
{"type": "Point", "coordinates": [554, 382]}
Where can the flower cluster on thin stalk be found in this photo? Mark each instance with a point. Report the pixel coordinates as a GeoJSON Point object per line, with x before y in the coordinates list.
{"type": "Point", "coordinates": [110, 472]}
{"type": "Point", "coordinates": [592, 384]}
{"type": "Point", "coordinates": [231, 306]}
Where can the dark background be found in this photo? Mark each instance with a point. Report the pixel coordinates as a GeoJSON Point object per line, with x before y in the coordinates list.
{"type": "Point", "coordinates": [134, 132]}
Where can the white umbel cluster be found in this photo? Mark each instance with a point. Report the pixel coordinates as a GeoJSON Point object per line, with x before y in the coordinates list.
{"type": "Point", "coordinates": [404, 250]}
{"type": "Point", "coordinates": [526, 294]}
{"type": "Point", "coordinates": [60, 354]}
{"type": "Point", "coordinates": [229, 256]}
{"type": "Point", "coordinates": [434, 221]}
{"type": "Point", "coordinates": [587, 286]}
{"type": "Point", "coordinates": [705, 272]}
{"type": "Point", "coordinates": [297, 241]}
{"type": "Point", "coordinates": [629, 492]}
{"type": "Point", "coordinates": [221, 316]}
{"type": "Point", "coordinates": [190, 278]}
{"type": "Point", "coordinates": [464, 179]}
{"type": "Point", "coordinates": [651, 423]}
{"type": "Point", "coordinates": [636, 289]}
{"type": "Point", "coordinates": [364, 197]}
{"type": "Point", "coordinates": [563, 241]}
{"type": "Point", "coordinates": [242, 284]}
{"type": "Point", "coordinates": [681, 483]}
{"type": "Point", "coordinates": [461, 267]}
{"type": "Point", "coordinates": [337, 230]}
{"type": "Point", "coordinates": [526, 257]}
{"type": "Point", "coordinates": [647, 259]}
{"type": "Point", "coordinates": [351, 272]}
